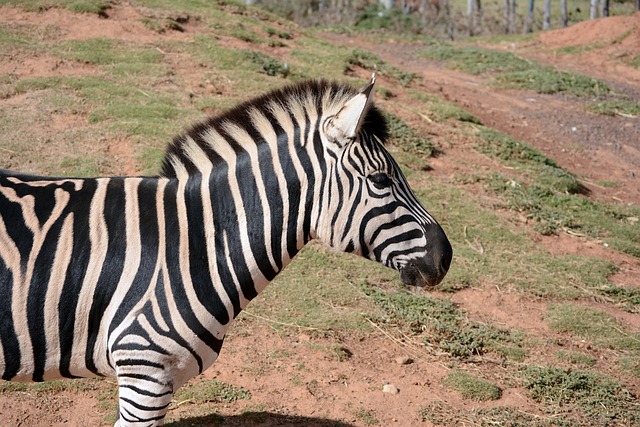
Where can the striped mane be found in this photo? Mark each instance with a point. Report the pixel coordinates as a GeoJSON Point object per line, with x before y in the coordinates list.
{"type": "Point", "coordinates": [307, 99]}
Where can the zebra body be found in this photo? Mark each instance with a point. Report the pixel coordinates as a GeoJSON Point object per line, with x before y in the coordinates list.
{"type": "Point", "coordinates": [140, 277]}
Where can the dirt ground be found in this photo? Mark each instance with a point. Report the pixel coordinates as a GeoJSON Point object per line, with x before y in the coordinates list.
{"type": "Point", "coordinates": [595, 148]}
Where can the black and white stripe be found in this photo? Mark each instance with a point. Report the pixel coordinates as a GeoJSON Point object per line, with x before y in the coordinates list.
{"type": "Point", "coordinates": [140, 278]}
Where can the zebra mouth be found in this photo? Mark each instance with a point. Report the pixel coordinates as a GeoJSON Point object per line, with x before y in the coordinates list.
{"type": "Point", "coordinates": [422, 273]}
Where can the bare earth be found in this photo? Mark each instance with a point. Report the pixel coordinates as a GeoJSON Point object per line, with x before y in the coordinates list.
{"type": "Point", "coordinates": [595, 148]}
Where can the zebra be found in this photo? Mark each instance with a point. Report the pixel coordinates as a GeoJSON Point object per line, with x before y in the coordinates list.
{"type": "Point", "coordinates": [140, 277]}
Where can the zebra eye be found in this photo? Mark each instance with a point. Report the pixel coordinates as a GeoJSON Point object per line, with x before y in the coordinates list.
{"type": "Point", "coordinates": [381, 180]}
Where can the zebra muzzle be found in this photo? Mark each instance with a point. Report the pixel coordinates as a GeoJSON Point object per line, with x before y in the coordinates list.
{"type": "Point", "coordinates": [429, 270]}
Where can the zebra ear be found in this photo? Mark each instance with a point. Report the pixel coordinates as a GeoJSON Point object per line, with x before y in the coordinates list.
{"type": "Point", "coordinates": [345, 125]}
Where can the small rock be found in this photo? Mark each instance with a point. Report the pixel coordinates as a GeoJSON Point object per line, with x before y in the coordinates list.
{"type": "Point", "coordinates": [404, 360]}
{"type": "Point", "coordinates": [391, 389]}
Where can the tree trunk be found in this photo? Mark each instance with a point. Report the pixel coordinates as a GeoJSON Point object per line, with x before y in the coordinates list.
{"type": "Point", "coordinates": [546, 22]}
{"type": "Point", "coordinates": [447, 12]}
{"type": "Point", "coordinates": [529, 23]}
{"type": "Point", "coordinates": [387, 4]}
{"type": "Point", "coordinates": [512, 18]}
{"type": "Point", "coordinates": [638, 5]}
{"type": "Point", "coordinates": [507, 14]}
{"type": "Point", "coordinates": [605, 8]}
{"type": "Point", "coordinates": [593, 14]}
{"type": "Point", "coordinates": [563, 12]}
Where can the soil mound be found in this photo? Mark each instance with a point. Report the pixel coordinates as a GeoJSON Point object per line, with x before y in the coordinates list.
{"type": "Point", "coordinates": [620, 31]}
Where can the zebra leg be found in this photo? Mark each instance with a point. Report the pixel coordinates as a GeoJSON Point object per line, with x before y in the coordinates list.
{"type": "Point", "coordinates": [143, 399]}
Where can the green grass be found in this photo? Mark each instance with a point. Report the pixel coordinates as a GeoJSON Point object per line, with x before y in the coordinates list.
{"type": "Point", "coordinates": [511, 71]}
{"type": "Point", "coordinates": [601, 398]}
{"type": "Point", "coordinates": [615, 107]}
{"type": "Point", "coordinates": [407, 138]}
{"type": "Point", "coordinates": [576, 358]}
{"type": "Point", "coordinates": [116, 57]}
{"type": "Point", "coordinates": [549, 81]}
{"type": "Point", "coordinates": [318, 291]}
{"type": "Point", "coordinates": [55, 386]}
{"type": "Point", "coordinates": [478, 60]}
{"type": "Point", "coordinates": [627, 298]}
{"type": "Point", "coordinates": [444, 326]}
{"type": "Point", "coordinates": [270, 66]}
{"type": "Point", "coordinates": [10, 39]}
{"type": "Point", "coordinates": [594, 325]}
{"type": "Point", "coordinates": [80, 167]}
{"type": "Point", "coordinates": [443, 414]}
{"type": "Point", "coordinates": [472, 387]}
{"type": "Point", "coordinates": [440, 110]}
{"type": "Point", "coordinates": [132, 92]}
{"type": "Point", "coordinates": [367, 417]}
{"type": "Point", "coordinates": [78, 6]}
{"type": "Point", "coordinates": [552, 197]}
{"type": "Point", "coordinates": [490, 251]}
{"type": "Point", "coordinates": [210, 391]}
{"type": "Point", "coordinates": [370, 61]}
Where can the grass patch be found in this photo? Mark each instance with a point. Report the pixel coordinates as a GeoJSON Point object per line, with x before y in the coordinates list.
{"type": "Point", "coordinates": [407, 138]}
{"type": "Point", "coordinates": [318, 291]}
{"type": "Point", "coordinates": [54, 386]}
{"type": "Point", "coordinates": [631, 365]}
{"type": "Point", "coordinates": [629, 298]}
{"type": "Point", "coordinates": [442, 414]}
{"type": "Point", "coordinates": [488, 251]}
{"type": "Point", "coordinates": [600, 397]}
{"type": "Point", "coordinates": [592, 324]}
{"type": "Point", "coordinates": [367, 417]}
{"type": "Point", "coordinates": [102, 51]}
{"type": "Point", "coordinates": [515, 72]}
{"type": "Point", "coordinates": [546, 80]}
{"type": "Point", "coordinates": [241, 32]}
{"type": "Point", "coordinates": [472, 387]}
{"type": "Point", "coordinates": [444, 326]}
{"type": "Point", "coordinates": [370, 61]}
{"type": "Point", "coordinates": [615, 107]}
{"type": "Point", "coordinates": [210, 391]}
{"type": "Point", "coordinates": [97, 7]}
{"type": "Point", "coordinates": [270, 66]}
{"type": "Point", "coordinates": [477, 60]}
{"type": "Point", "coordinates": [79, 6]}
{"type": "Point", "coordinates": [79, 167]}
{"type": "Point", "coordinates": [551, 196]}
{"type": "Point", "coordinates": [10, 40]}
{"type": "Point", "coordinates": [441, 110]}
{"type": "Point", "coordinates": [576, 358]}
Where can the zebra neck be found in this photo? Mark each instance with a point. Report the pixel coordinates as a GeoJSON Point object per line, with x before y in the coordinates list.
{"type": "Point", "coordinates": [242, 229]}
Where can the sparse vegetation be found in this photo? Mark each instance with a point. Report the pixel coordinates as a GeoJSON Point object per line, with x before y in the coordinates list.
{"type": "Point", "coordinates": [113, 89]}
{"type": "Point", "coordinates": [442, 325]}
{"type": "Point", "coordinates": [603, 399]}
{"type": "Point", "coordinates": [472, 387]}
{"type": "Point", "coordinates": [597, 326]}
{"type": "Point", "coordinates": [210, 391]}
{"type": "Point", "coordinates": [478, 60]}
{"type": "Point", "coordinates": [369, 61]}
{"type": "Point", "coordinates": [407, 138]}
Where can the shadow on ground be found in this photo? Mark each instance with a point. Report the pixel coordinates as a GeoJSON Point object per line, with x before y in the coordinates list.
{"type": "Point", "coordinates": [257, 419]}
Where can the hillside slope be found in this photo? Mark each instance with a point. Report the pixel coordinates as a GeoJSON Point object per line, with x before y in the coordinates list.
{"type": "Point", "coordinates": [537, 322]}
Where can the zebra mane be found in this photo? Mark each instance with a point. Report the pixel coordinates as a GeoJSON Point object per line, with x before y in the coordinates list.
{"type": "Point", "coordinates": [313, 97]}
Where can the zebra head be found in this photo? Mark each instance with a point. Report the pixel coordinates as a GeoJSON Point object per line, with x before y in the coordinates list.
{"type": "Point", "coordinates": [370, 209]}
